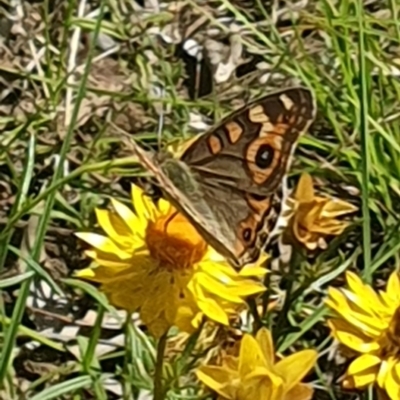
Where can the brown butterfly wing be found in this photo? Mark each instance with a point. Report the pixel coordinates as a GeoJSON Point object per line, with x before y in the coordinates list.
{"type": "Point", "coordinates": [250, 149]}
{"type": "Point", "coordinates": [197, 204]}
{"type": "Point", "coordinates": [228, 181]}
{"type": "Point", "coordinates": [239, 166]}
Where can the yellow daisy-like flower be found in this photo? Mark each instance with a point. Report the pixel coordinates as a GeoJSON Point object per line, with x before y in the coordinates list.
{"type": "Point", "coordinates": [315, 217]}
{"type": "Point", "coordinates": [153, 261]}
{"type": "Point", "coordinates": [255, 375]}
{"type": "Point", "coordinates": [369, 325]}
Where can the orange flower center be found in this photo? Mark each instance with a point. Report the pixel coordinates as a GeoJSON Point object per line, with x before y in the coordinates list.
{"type": "Point", "coordinates": [174, 242]}
{"type": "Point", "coordinates": [390, 339]}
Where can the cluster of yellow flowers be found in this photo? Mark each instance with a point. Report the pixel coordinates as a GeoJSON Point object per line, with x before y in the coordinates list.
{"type": "Point", "coordinates": [153, 261]}
{"type": "Point", "coordinates": [255, 375]}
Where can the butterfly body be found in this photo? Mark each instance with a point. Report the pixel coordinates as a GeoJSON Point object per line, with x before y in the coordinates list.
{"type": "Point", "coordinates": [228, 181]}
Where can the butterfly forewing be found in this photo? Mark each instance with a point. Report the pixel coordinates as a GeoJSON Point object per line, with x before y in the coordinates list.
{"type": "Point", "coordinates": [251, 148]}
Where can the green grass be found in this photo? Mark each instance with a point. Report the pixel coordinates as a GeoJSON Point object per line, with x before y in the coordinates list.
{"type": "Point", "coordinates": [344, 52]}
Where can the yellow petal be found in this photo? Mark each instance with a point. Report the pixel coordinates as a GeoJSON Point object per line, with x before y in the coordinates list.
{"type": "Point", "coordinates": [304, 190]}
{"type": "Point", "coordinates": [384, 369]}
{"type": "Point", "coordinates": [255, 268]}
{"type": "Point", "coordinates": [213, 310]}
{"type": "Point", "coordinates": [362, 363]}
{"type": "Point", "coordinates": [367, 324]}
{"type": "Point", "coordinates": [393, 286]}
{"type": "Point", "coordinates": [85, 273]}
{"type": "Point", "coordinates": [187, 320]}
{"type": "Point", "coordinates": [108, 260]}
{"type": "Point", "coordinates": [336, 208]}
{"type": "Point", "coordinates": [214, 377]}
{"type": "Point", "coordinates": [331, 227]}
{"type": "Point", "coordinates": [363, 378]}
{"type": "Point", "coordinates": [366, 295]}
{"type": "Point", "coordinates": [264, 339]}
{"type": "Point", "coordinates": [217, 379]}
{"type": "Point", "coordinates": [296, 366]}
{"type": "Point", "coordinates": [144, 207]}
{"type": "Point", "coordinates": [303, 235]}
{"type": "Point", "coordinates": [392, 384]}
{"type": "Point", "coordinates": [131, 221]}
{"type": "Point", "coordinates": [103, 243]}
{"type": "Point", "coordinates": [205, 284]}
{"type": "Point", "coordinates": [164, 206]}
{"type": "Point", "coordinates": [250, 355]}
{"type": "Point", "coordinates": [351, 337]}
{"type": "Point", "coordinates": [246, 287]}
{"type": "Point", "coordinates": [102, 274]}
{"type": "Point", "coordinates": [219, 270]}
{"type": "Point", "coordinates": [118, 231]}
{"type": "Point", "coordinates": [259, 373]}
{"type": "Point", "coordinates": [196, 321]}
{"type": "Point", "coordinates": [253, 271]}
{"type": "Point", "coordinates": [262, 385]}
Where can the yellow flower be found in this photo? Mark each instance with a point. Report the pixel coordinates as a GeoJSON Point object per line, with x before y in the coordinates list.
{"type": "Point", "coordinates": [255, 375]}
{"type": "Point", "coordinates": [153, 261]}
{"type": "Point", "coordinates": [315, 217]}
{"type": "Point", "coordinates": [368, 323]}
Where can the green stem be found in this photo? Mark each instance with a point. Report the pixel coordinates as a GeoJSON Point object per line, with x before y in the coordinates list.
{"type": "Point", "coordinates": [182, 363]}
{"type": "Point", "coordinates": [364, 132]}
{"type": "Point", "coordinates": [282, 319]}
{"type": "Point", "coordinates": [127, 388]}
{"type": "Point", "coordinates": [158, 387]}
{"type": "Point", "coordinates": [94, 338]}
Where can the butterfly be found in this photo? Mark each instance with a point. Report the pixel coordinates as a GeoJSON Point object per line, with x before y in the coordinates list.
{"type": "Point", "coordinates": [228, 181]}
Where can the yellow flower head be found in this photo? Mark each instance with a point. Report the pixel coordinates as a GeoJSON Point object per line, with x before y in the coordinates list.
{"type": "Point", "coordinates": [368, 323]}
{"type": "Point", "coordinates": [255, 375]}
{"type": "Point", "coordinates": [153, 261]}
{"type": "Point", "coordinates": [315, 217]}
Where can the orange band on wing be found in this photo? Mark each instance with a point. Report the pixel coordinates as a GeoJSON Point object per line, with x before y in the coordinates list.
{"type": "Point", "coordinates": [234, 130]}
{"type": "Point", "coordinates": [214, 144]}
{"type": "Point", "coordinates": [263, 156]}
